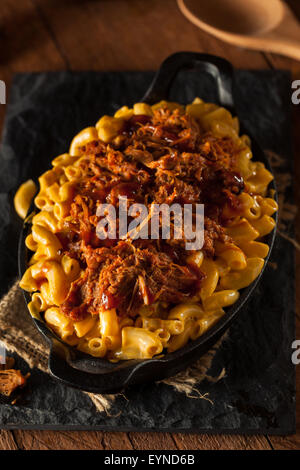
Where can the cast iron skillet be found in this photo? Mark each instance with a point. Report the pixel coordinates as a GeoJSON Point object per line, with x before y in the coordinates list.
{"type": "Point", "coordinates": [79, 370]}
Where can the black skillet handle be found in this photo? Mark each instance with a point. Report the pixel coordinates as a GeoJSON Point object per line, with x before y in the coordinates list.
{"type": "Point", "coordinates": [220, 69]}
{"type": "Point", "coordinates": [61, 368]}
{"type": "Point", "coordinates": [90, 374]}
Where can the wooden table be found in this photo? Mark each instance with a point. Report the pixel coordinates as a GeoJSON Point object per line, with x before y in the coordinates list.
{"type": "Point", "coordinates": [39, 35]}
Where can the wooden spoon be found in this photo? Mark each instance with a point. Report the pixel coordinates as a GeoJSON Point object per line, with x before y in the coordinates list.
{"type": "Point", "coordinates": [267, 25]}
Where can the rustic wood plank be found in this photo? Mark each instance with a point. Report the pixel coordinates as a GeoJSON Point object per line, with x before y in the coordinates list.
{"type": "Point", "coordinates": [103, 39]}
{"type": "Point", "coordinates": [27, 41]}
{"type": "Point", "coordinates": [27, 46]}
{"type": "Point", "coordinates": [117, 441]}
{"type": "Point", "coordinates": [80, 440]}
{"type": "Point", "coordinates": [57, 440]}
{"type": "Point", "coordinates": [7, 441]}
{"type": "Point", "coordinates": [286, 442]}
{"type": "Point", "coordinates": [152, 441]}
{"type": "Point", "coordinates": [220, 442]}
{"type": "Point", "coordinates": [33, 440]}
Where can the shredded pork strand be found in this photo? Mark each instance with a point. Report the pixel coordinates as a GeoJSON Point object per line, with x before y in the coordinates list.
{"type": "Point", "coordinates": [161, 159]}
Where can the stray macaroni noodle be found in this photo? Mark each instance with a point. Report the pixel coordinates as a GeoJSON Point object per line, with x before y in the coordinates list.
{"type": "Point", "coordinates": [23, 197]}
{"type": "Point", "coordinates": [138, 299]}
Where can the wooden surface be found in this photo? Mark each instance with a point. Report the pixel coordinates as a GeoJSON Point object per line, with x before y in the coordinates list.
{"type": "Point", "coordinates": [39, 35]}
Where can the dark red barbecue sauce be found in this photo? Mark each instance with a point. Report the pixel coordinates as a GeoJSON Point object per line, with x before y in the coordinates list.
{"type": "Point", "coordinates": [120, 175]}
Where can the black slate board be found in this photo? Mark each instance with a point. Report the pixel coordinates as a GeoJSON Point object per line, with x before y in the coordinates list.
{"type": "Point", "coordinates": [258, 393]}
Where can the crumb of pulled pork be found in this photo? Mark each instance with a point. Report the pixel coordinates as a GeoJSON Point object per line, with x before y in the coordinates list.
{"type": "Point", "coordinates": [10, 379]}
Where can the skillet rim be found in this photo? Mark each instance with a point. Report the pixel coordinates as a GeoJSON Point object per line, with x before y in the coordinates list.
{"type": "Point", "coordinates": [80, 370]}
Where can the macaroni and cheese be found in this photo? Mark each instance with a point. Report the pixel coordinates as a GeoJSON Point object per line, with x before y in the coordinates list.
{"type": "Point", "coordinates": [139, 298]}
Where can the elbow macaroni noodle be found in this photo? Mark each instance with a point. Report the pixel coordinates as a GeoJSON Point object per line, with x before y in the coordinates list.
{"type": "Point", "coordinates": [235, 265]}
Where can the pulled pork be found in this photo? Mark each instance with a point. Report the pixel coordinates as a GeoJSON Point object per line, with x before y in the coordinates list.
{"type": "Point", "coordinates": [160, 159]}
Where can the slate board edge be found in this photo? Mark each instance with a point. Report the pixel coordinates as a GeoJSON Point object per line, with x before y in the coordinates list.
{"type": "Point", "coordinates": [102, 427]}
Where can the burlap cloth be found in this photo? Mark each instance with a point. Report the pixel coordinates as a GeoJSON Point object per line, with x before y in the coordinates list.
{"type": "Point", "coordinates": [18, 333]}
